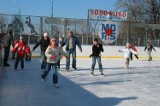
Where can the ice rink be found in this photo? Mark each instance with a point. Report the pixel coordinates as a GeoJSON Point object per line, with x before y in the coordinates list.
{"type": "Point", "coordinates": [137, 86]}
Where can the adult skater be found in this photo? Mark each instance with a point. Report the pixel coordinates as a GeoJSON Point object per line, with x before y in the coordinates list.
{"type": "Point", "coordinates": [135, 49]}
{"type": "Point", "coordinates": [71, 43]}
{"type": "Point", "coordinates": [149, 48]}
{"type": "Point", "coordinates": [96, 55]}
{"type": "Point", "coordinates": [7, 41]}
{"type": "Point", "coordinates": [53, 54]}
{"type": "Point", "coordinates": [43, 42]}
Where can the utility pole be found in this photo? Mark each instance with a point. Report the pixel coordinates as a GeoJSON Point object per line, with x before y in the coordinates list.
{"type": "Point", "coordinates": [52, 17]}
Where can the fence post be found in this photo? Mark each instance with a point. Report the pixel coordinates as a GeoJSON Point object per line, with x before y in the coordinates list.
{"type": "Point", "coordinates": [139, 39]}
{"type": "Point", "coordinates": [82, 41]}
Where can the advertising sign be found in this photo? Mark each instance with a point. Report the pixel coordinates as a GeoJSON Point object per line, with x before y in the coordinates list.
{"type": "Point", "coordinates": [108, 32]}
{"type": "Point", "coordinates": [95, 14]}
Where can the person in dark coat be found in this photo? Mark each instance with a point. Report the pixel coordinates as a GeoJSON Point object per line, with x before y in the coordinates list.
{"type": "Point", "coordinates": [149, 48]}
{"type": "Point", "coordinates": [7, 41]}
{"type": "Point", "coordinates": [43, 42]}
{"type": "Point", "coordinates": [96, 55]}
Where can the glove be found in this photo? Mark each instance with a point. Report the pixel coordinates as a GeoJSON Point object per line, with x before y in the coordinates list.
{"type": "Point", "coordinates": [53, 56]}
{"type": "Point", "coordinates": [90, 55]}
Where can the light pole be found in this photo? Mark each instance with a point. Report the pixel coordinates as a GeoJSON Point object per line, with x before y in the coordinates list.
{"type": "Point", "coordinates": [52, 16]}
{"type": "Point", "coordinates": [19, 14]}
{"type": "Point", "coordinates": [52, 8]}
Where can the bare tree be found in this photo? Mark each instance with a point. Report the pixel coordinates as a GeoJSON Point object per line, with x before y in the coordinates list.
{"type": "Point", "coordinates": [142, 11]}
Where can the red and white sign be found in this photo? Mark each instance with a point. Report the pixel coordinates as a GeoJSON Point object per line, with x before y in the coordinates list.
{"type": "Point", "coordinates": [107, 15]}
{"type": "Point", "coordinates": [108, 31]}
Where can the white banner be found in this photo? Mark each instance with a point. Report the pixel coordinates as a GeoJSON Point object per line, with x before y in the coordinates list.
{"type": "Point", "coordinates": [108, 31]}
{"type": "Point", "coordinates": [107, 15]}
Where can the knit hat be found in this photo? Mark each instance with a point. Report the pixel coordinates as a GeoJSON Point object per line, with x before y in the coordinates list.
{"type": "Point", "coordinates": [45, 34]}
{"type": "Point", "coordinates": [53, 39]}
{"type": "Point", "coordinates": [21, 38]}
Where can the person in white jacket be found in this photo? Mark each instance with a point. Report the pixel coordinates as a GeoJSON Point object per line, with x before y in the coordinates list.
{"type": "Point", "coordinates": [53, 54]}
{"type": "Point", "coordinates": [127, 53]}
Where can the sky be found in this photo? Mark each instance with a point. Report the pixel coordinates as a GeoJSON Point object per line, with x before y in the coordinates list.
{"type": "Point", "coordinates": [61, 8]}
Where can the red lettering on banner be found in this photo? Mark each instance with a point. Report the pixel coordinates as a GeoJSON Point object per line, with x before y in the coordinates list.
{"type": "Point", "coordinates": [101, 12]}
{"type": "Point", "coordinates": [108, 13]}
{"type": "Point", "coordinates": [92, 12]}
{"type": "Point", "coordinates": [105, 13]}
{"type": "Point", "coordinates": [96, 12]}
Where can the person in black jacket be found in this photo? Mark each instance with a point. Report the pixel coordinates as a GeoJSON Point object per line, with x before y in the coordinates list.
{"type": "Point", "coordinates": [7, 41]}
{"type": "Point", "coordinates": [96, 54]}
{"type": "Point", "coordinates": [149, 48]}
{"type": "Point", "coordinates": [43, 42]}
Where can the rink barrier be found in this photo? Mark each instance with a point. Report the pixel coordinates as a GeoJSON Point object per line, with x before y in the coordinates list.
{"type": "Point", "coordinates": [109, 57]}
{"type": "Point", "coordinates": [110, 52]}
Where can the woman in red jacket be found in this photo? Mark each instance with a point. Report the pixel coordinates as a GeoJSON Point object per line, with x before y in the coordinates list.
{"type": "Point", "coordinates": [134, 49]}
{"type": "Point", "coordinates": [21, 50]}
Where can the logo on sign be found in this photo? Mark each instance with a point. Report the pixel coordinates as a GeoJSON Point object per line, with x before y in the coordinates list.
{"type": "Point", "coordinates": [108, 32]}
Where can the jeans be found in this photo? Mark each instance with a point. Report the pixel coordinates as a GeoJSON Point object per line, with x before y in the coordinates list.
{"type": "Point", "coordinates": [98, 58]}
{"type": "Point", "coordinates": [6, 54]}
{"type": "Point", "coordinates": [54, 67]}
{"type": "Point", "coordinates": [18, 58]}
{"type": "Point", "coordinates": [44, 63]}
{"type": "Point", "coordinates": [73, 52]}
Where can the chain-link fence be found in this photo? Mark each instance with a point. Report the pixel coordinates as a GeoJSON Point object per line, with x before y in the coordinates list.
{"type": "Point", "coordinates": [32, 28]}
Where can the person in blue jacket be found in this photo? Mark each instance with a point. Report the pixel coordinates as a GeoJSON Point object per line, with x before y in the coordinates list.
{"type": "Point", "coordinates": [71, 41]}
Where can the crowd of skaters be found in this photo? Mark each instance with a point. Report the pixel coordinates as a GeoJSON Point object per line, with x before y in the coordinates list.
{"type": "Point", "coordinates": [52, 52]}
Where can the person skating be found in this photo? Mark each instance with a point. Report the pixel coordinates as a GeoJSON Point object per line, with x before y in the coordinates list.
{"type": "Point", "coordinates": [7, 41]}
{"type": "Point", "coordinates": [96, 55]}
{"type": "Point", "coordinates": [71, 43]}
{"type": "Point", "coordinates": [149, 48]}
{"type": "Point", "coordinates": [127, 53]}
{"type": "Point", "coordinates": [21, 49]}
{"type": "Point", "coordinates": [53, 54]}
{"type": "Point", "coordinates": [43, 42]}
{"type": "Point", "coordinates": [135, 49]}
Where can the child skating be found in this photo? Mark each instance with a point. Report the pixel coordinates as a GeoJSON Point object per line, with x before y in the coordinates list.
{"type": "Point", "coordinates": [53, 54]}
{"type": "Point", "coordinates": [127, 53]}
{"type": "Point", "coordinates": [96, 55]}
{"type": "Point", "coordinates": [21, 49]}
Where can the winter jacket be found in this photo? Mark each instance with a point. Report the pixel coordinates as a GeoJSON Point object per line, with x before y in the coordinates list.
{"type": "Point", "coordinates": [21, 49]}
{"type": "Point", "coordinates": [7, 40]}
{"type": "Point", "coordinates": [43, 44]}
{"type": "Point", "coordinates": [133, 48]}
{"type": "Point", "coordinates": [96, 50]}
{"type": "Point", "coordinates": [75, 42]}
{"type": "Point", "coordinates": [149, 47]}
{"type": "Point", "coordinates": [127, 52]}
{"type": "Point", "coordinates": [57, 52]}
